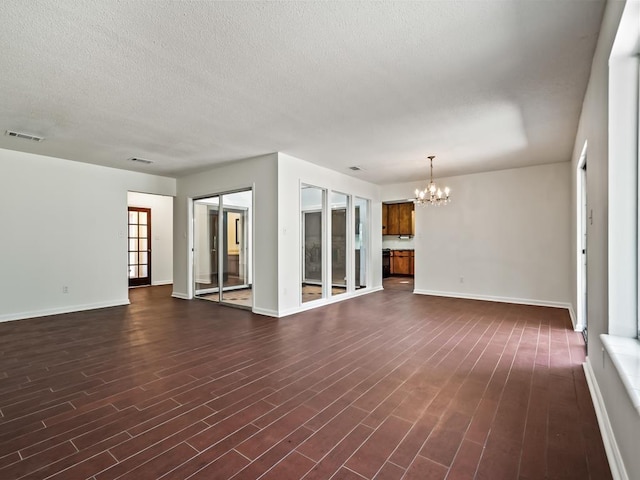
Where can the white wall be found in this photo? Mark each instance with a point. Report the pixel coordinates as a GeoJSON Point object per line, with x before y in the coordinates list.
{"type": "Point", "coordinates": [161, 234]}
{"type": "Point", "coordinates": [64, 223]}
{"type": "Point", "coordinates": [293, 172]}
{"type": "Point", "coordinates": [613, 402]}
{"type": "Point", "coordinates": [504, 236]}
{"type": "Point", "coordinates": [259, 173]}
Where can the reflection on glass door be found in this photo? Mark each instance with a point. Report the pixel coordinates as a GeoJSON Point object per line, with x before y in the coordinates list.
{"type": "Point", "coordinates": [222, 248]}
{"type": "Point", "coordinates": [339, 206]}
{"type": "Point", "coordinates": [139, 246]}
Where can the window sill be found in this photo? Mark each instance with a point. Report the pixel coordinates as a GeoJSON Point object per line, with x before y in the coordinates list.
{"type": "Point", "coordinates": [625, 354]}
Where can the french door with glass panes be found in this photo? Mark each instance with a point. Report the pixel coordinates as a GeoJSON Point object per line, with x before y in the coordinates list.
{"type": "Point", "coordinates": [139, 246]}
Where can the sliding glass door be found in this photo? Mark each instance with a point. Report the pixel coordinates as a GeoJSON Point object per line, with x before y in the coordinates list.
{"type": "Point", "coordinates": [222, 248]}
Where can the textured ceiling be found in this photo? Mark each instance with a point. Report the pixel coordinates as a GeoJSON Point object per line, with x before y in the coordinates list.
{"type": "Point", "coordinates": [483, 85]}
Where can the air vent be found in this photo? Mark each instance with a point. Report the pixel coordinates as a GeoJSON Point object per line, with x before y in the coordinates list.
{"type": "Point", "coordinates": [355, 168]}
{"type": "Point", "coordinates": [140, 160]}
{"type": "Point", "coordinates": [26, 136]}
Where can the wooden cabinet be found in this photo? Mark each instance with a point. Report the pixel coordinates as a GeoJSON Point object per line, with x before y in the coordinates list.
{"type": "Point", "coordinates": [402, 262]}
{"type": "Point", "coordinates": [385, 217]}
{"type": "Point", "coordinates": [397, 218]}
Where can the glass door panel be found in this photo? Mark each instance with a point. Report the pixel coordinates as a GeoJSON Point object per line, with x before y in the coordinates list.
{"type": "Point", "coordinates": [339, 208]}
{"type": "Point", "coordinates": [205, 248]}
{"type": "Point", "coordinates": [235, 253]}
{"type": "Point", "coordinates": [312, 204]}
{"type": "Point", "coordinates": [361, 243]}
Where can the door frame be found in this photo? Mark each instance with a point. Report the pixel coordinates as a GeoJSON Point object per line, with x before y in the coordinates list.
{"type": "Point", "coordinates": [581, 243]}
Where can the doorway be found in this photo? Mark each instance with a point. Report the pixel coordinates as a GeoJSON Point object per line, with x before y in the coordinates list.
{"type": "Point", "coordinates": [139, 246]}
{"type": "Point", "coordinates": [222, 248]}
{"type": "Point", "coordinates": [581, 244]}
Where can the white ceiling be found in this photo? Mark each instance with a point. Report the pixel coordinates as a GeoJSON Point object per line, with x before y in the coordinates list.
{"type": "Point", "coordinates": [483, 85]}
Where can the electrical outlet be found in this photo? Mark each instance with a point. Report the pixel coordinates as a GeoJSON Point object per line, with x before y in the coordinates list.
{"type": "Point", "coordinates": [65, 289]}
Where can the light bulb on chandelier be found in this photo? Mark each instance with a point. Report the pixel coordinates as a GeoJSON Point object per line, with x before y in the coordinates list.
{"type": "Point", "coordinates": [432, 195]}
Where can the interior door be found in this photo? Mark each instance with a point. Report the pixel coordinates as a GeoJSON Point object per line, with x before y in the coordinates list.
{"type": "Point", "coordinates": [139, 246]}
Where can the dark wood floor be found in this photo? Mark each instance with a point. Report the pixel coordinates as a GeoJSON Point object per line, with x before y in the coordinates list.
{"type": "Point", "coordinates": [389, 385]}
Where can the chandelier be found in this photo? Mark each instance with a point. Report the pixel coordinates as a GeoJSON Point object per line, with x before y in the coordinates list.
{"type": "Point", "coordinates": [432, 195]}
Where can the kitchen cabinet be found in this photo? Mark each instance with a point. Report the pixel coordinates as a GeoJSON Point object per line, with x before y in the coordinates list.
{"type": "Point", "coordinates": [402, 262]}
{"type": "Point", "coordinates": [385, 218]}
{"type": "Point", "coordinates": [397, 218]}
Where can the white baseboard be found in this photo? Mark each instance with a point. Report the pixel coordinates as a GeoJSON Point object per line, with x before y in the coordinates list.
{"type": "Point", "coordinates": [328, 301]}
{"type": "Point", "coordinates": [491, 298]}
{"type": "Point", "coordinates": [60, 310]}
{"type": "Point", "coordinates": [574, 320]}
{"type": "Point", "coordinates": [618, 472]}
{"type": "Point", "coordinates": [266, 312]}
{"type": "Point", "coordinates": [162, 282]}
{"type": "Point", "coordinates": [182, 296]}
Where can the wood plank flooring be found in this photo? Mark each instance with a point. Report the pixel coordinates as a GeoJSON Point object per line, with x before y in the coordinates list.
{"type": "Point", "coordinates": [384, 386]}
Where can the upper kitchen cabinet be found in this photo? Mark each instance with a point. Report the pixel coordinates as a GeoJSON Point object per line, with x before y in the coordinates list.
{"type": "Point", "coordinates": [397, 218]}
{"type": "Point", "coordinates": [385, 218]}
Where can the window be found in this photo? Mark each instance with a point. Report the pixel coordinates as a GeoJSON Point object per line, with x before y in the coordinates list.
{"type": "Point", "coordinates": [313, 223]}
{"type": "Point", "coordinates": [361, 242]}
{"type": "Point", "coordinates": [623, 195]}
{"type": "Point", "coordinates": [335, 243]}
{"type": "Point", "coordinates": [623, 339]}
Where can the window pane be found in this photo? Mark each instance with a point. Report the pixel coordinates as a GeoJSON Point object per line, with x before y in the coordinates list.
{"type": "Point", "coordinates": [133, 271]}
{"type": "Point", "coordinates": [133, 244]}
{"type": "Point", "coordinates": [339, 203]}
{"type": "Point", "coordinates": [133, 231]}
{"type": "Point", "coordinates": [142, 271]}
{"type": "Point", "coordinates": [142, 231]}
{"type": "Point", "coordinates": [133, 217]}
{"type": "Point", "coordinates": [143, 244]}
{"type": "Point", "coordinates": [143, 258]}
{"type": "Point", "coordinates": [313, 275]}
{"type": "Point", "coordinates": [361, 243]}
{"type": "Point", "coordinates": [143, 218]}
{"type": "Point", "coordinates": [133, 258]}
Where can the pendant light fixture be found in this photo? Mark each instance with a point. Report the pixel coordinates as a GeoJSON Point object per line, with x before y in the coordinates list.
{"type": "Point", "coordinates": [432, 195]}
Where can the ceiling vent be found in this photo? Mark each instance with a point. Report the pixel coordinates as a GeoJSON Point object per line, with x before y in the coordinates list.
{"type": "Point", "coordinates": [140, 160]}
{"type": "Point", "coordinates": [26, 136]}
{"type": "Point", "coordinates": [355, 168]}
